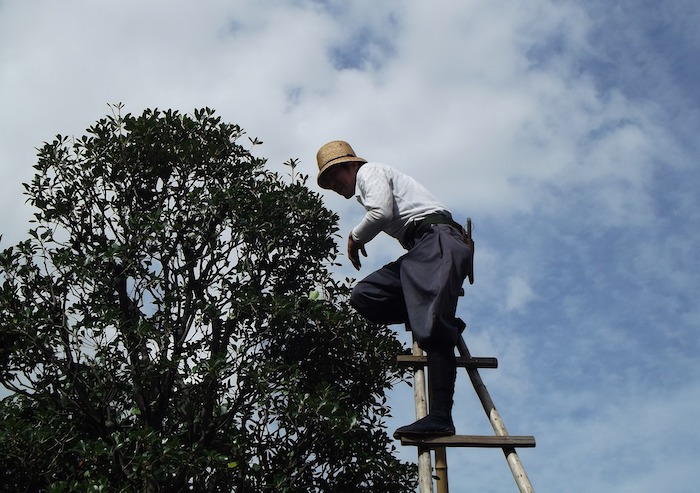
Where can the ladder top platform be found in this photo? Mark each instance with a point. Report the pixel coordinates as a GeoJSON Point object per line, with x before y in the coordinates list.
{"type": "Point", "coordinates": [480, 441]}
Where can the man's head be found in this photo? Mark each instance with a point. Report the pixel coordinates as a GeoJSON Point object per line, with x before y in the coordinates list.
{"type": "Point", "coordinates": [337, 167]}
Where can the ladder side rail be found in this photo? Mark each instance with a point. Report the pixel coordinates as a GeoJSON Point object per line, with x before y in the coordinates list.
{"type": "Point", "coordinates": [441, 481]}
{"type": "Point", "coordinates": [516, 467]}
{"type": "Point", "coordinates": [443, 485]}
{"type": "Point", "coordinates": [425, 477]}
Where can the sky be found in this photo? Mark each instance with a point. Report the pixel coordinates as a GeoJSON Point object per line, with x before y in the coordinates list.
{"type": "Point", "coordinates": [566, 130]}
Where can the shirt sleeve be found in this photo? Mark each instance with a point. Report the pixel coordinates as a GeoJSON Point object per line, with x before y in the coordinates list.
{"type": "Point", "coordinates": [376, 195]}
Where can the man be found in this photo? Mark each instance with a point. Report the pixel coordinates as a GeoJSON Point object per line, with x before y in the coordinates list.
{"type": "Point", "coordinates": [419, 289]}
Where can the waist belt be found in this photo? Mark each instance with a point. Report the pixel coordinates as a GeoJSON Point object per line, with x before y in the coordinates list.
{"type": "Point", "coordinates": [417, 228]}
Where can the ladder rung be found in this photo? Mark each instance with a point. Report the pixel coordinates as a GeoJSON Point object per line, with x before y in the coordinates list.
{"type": "Point", "coordinates": [473, 441]}
{"type": "Point", "coordinates": [407, 360]}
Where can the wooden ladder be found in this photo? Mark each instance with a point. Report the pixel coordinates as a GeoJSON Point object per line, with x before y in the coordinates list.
{"type": "Point", "coordinates": [502, 439]}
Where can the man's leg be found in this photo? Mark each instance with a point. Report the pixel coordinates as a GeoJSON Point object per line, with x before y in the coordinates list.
{"type": "Point", "coordinates": [431, 275]}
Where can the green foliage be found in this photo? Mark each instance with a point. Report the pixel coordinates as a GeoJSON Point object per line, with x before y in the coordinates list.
{"type": "Point", "coordinates": [171, 325]}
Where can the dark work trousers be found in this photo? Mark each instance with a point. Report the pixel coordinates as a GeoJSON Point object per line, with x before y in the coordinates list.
{"type": "Point", "coordinates": [420, 288]}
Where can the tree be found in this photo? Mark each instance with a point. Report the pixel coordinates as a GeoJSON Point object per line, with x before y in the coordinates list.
{"type": "Point", "coordinates": [171, 324]}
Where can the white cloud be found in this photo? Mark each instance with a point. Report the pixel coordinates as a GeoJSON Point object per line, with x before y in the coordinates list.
{"type": "Point", "coordinates": [518, 294]}
{"type": "Point", "coordinates": [566, 130]}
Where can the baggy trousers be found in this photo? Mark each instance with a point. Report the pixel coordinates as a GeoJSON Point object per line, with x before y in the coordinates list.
{"type": "Point", "coordinates": [421, 288]}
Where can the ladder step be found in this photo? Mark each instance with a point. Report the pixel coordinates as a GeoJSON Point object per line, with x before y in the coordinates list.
{"type": "Point", "coordinates": [473, 441]}
{"type": "Point", "coordinates": [407, 361]}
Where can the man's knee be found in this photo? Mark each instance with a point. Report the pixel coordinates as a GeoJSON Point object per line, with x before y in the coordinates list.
{"type": "Point", "coordinates": [443, 340]}
{"type": "Point", "coordinates": [358, 299]}
{"type": "Point", "coordinates": [375, 308]}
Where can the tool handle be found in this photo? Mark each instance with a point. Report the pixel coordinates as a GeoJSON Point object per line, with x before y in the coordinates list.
{"type": "Point", "coordinates": [470, 241]}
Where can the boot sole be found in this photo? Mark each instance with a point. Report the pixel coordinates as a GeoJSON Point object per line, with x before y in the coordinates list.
{"type": "Point", "coordinates": [424, 435]}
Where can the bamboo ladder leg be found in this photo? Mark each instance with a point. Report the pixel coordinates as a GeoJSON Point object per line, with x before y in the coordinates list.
{"type": "Point", "coordinates": [497, 424]}
{"type": "Point", "coordinates": [441, 470]}
{"type": "Point", "coordinates": [516, 467]}
{"type": "Point", "coordinates": [425, 478]}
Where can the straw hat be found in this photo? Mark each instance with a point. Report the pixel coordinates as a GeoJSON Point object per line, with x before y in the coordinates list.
{"type": "Point", "coordinates": [335, 152]}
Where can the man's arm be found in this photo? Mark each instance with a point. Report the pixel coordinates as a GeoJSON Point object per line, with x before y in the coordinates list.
{"type": "Point", "coordinates": [376, 196]}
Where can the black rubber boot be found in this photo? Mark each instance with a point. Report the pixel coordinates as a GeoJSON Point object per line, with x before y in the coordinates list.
{"type": "Point", "coordinates": [438, 423]}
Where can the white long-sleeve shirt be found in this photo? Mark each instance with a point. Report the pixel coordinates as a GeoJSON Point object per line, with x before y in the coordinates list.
{"type": "Point", "coordinates": [393, 201]}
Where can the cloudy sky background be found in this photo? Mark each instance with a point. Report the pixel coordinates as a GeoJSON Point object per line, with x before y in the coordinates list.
{"type": "Point", "coordinates": [566, 130]}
